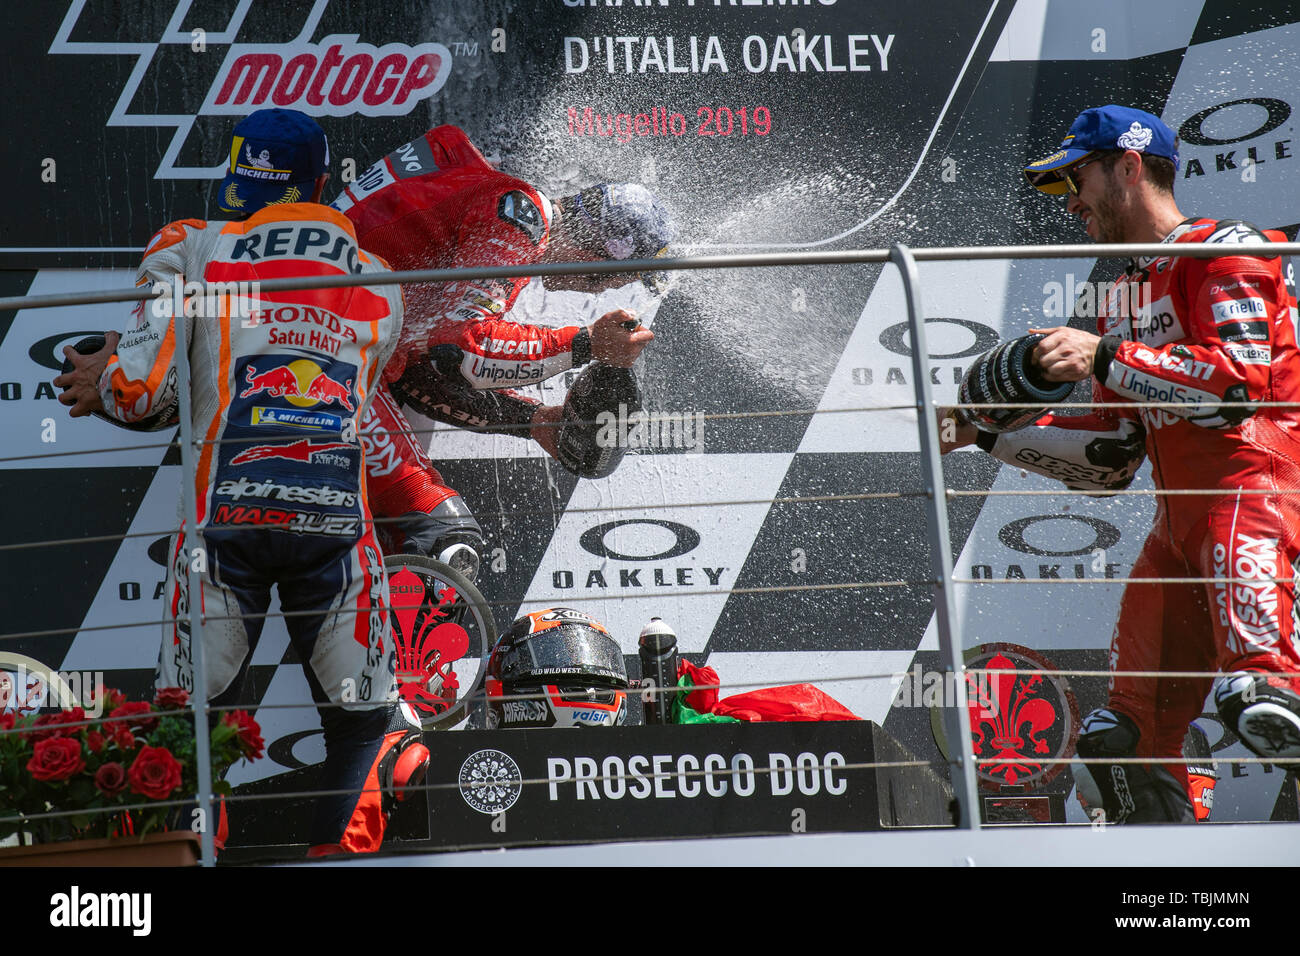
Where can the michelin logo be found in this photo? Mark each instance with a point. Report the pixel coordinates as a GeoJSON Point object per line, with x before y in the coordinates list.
{"type": "Point", "coordinates": [1138, 137]}
{"type": "Point", "coordinates": [280, 416]}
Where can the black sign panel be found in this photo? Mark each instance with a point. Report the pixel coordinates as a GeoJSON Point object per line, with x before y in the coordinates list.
{"type": "Point", "coordinates": [536, 787]}
{"type": "Point", "coordinates": [528, 787]}
{"type": "Point", "coordinates": [137, 99]}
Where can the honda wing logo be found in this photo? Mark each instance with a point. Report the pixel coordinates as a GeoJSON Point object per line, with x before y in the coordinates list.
{"type": "Point", "coordinates": [337, 76]}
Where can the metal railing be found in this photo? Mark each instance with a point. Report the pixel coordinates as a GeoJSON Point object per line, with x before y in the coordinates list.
{"type": "Point", "coordinates": [956, 717]}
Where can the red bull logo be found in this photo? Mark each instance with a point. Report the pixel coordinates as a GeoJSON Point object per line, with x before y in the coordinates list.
{"type": "Point", "coordinates": [303, 451]}
{"type": "Point", "coordinates": [277, 382]}
{"type": "Point", "coordinates": [302, 382]}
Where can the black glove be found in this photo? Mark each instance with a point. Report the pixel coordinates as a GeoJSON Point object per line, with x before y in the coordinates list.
{"type": "Point", "coordinates": [166, 418]}
{"type": "Point", "coordinates": [589, 443]}
{"type": "Point", "coordinates": [1007, 374]}
{"type": "Point", "coordinates": [436, 389]}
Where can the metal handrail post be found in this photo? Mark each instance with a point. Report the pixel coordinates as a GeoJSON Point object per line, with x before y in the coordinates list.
{"type": "Point", "coordinates": [190, 532]}
{"type": "Point", "coordinates": [956, 718]}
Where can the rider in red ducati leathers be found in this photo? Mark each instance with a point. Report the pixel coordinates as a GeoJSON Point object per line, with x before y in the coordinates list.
{"type": "Point", "coordinates": [437, 203]}
{"type": "Point", "coordinates": [280, 486]}
{"type": "Point", "coordinates": [1199, 334]}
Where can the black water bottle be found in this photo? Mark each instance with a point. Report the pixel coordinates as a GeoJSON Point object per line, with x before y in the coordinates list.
{"type": "Point", "coordinates": [657, 648]}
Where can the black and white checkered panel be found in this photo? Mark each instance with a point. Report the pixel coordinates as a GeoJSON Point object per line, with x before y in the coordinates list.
{"type": "Point", "coordinates": [782, 341]}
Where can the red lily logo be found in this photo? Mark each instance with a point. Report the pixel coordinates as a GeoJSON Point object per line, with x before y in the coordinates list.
{"type": "Point", "coordinates": [428, 643]}
{"type": "Point", "coordinates": [1016, 717]}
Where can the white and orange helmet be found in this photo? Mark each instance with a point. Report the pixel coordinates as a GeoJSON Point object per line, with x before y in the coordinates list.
{"type": "Point", "coordinates": [556, 668]}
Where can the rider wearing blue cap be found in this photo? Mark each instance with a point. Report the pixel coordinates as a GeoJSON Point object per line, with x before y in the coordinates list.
{"type": "Point", "coordinates": [279, 482]}
{"type": "Point", "coordinates": [1195, 343]}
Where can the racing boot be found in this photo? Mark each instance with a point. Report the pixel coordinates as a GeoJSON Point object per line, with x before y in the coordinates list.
{"type": "Point", "coordinates": [363, 750]}
{"type": "Point", "coordinates": [403, 766]}
{"type": "Point", "coordinates": [1262, 712]}
{"type": "Point", "coordinates": [1127, 792]}
{"type": "Point", "coordinates": [403, 761]}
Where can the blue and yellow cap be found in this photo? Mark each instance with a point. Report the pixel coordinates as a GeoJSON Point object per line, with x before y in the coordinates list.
{"type": "Point", "coordinates": [1103, 128]}
{"type": "Point", "coordinates": [276, 156]}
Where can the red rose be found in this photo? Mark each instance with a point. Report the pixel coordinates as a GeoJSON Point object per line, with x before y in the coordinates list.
{"type": "Point", "coordinates": [171, 698]}
{"type": "Point", "coordinates": [95, 741]}
{"type": "Point", "coordinates": [53, 724]}
{"type": "Point", "coordinates": [138, 714]}
{"type": "Point", "coordinates": [249, 733]}
{"type": "Point", "coordinates": [7, 721]}
{"type": "Point", "coordinates": [112, 698]}
{"type": "Point", "coordinates": [124, 739]}
{"type": "Point", "coordinates": [56, 759]}
{"type": "Point", "coordinates": [110, 779]}
{"type": "Point", "coordinates": [155, 773]}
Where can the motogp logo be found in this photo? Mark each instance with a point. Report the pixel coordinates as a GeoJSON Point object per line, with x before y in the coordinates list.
{"type": "Point", "coordinates": [337, 76]}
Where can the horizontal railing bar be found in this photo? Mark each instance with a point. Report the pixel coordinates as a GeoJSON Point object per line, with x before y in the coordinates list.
{"type": "Point", "coordinates": [692, 263]}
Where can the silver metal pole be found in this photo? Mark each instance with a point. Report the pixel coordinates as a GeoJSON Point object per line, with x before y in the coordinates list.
{"type": "Point", "coordinates": [199, 694]}
{"type": "Point", "coordinates": [751, 260]}
{"type": "Point", "coordinates": [956, 718]}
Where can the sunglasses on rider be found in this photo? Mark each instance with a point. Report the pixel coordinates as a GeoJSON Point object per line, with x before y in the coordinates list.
{"type": "Point", "coordinates": [1069, 175]}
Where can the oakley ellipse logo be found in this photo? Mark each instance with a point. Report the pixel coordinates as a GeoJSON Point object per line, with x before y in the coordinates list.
{"type": "Point", "coordinates": [896, 338]}
{"type": "Point", "coordinates": [1193, 132]}
{"type": "Point", "coordinates": [160, 552]}
{"type": "Point", "coordinates": [684, 540]}
{"type": "Point", "coordinates": [1104, 535]}
{"type": "Point", "coordinates": [48, 352]}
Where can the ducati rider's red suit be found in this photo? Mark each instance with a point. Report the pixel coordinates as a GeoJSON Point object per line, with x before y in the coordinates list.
{"type": "Point", "coordinates": [280, 487]}
{"type": "Point", "coordinates": [1195, 332]}
{"type": "Point", "coordinates": [437, 203]}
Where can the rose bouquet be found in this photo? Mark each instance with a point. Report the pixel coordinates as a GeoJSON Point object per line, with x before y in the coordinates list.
{"type": "Point", "coordinates": [131, 771]}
